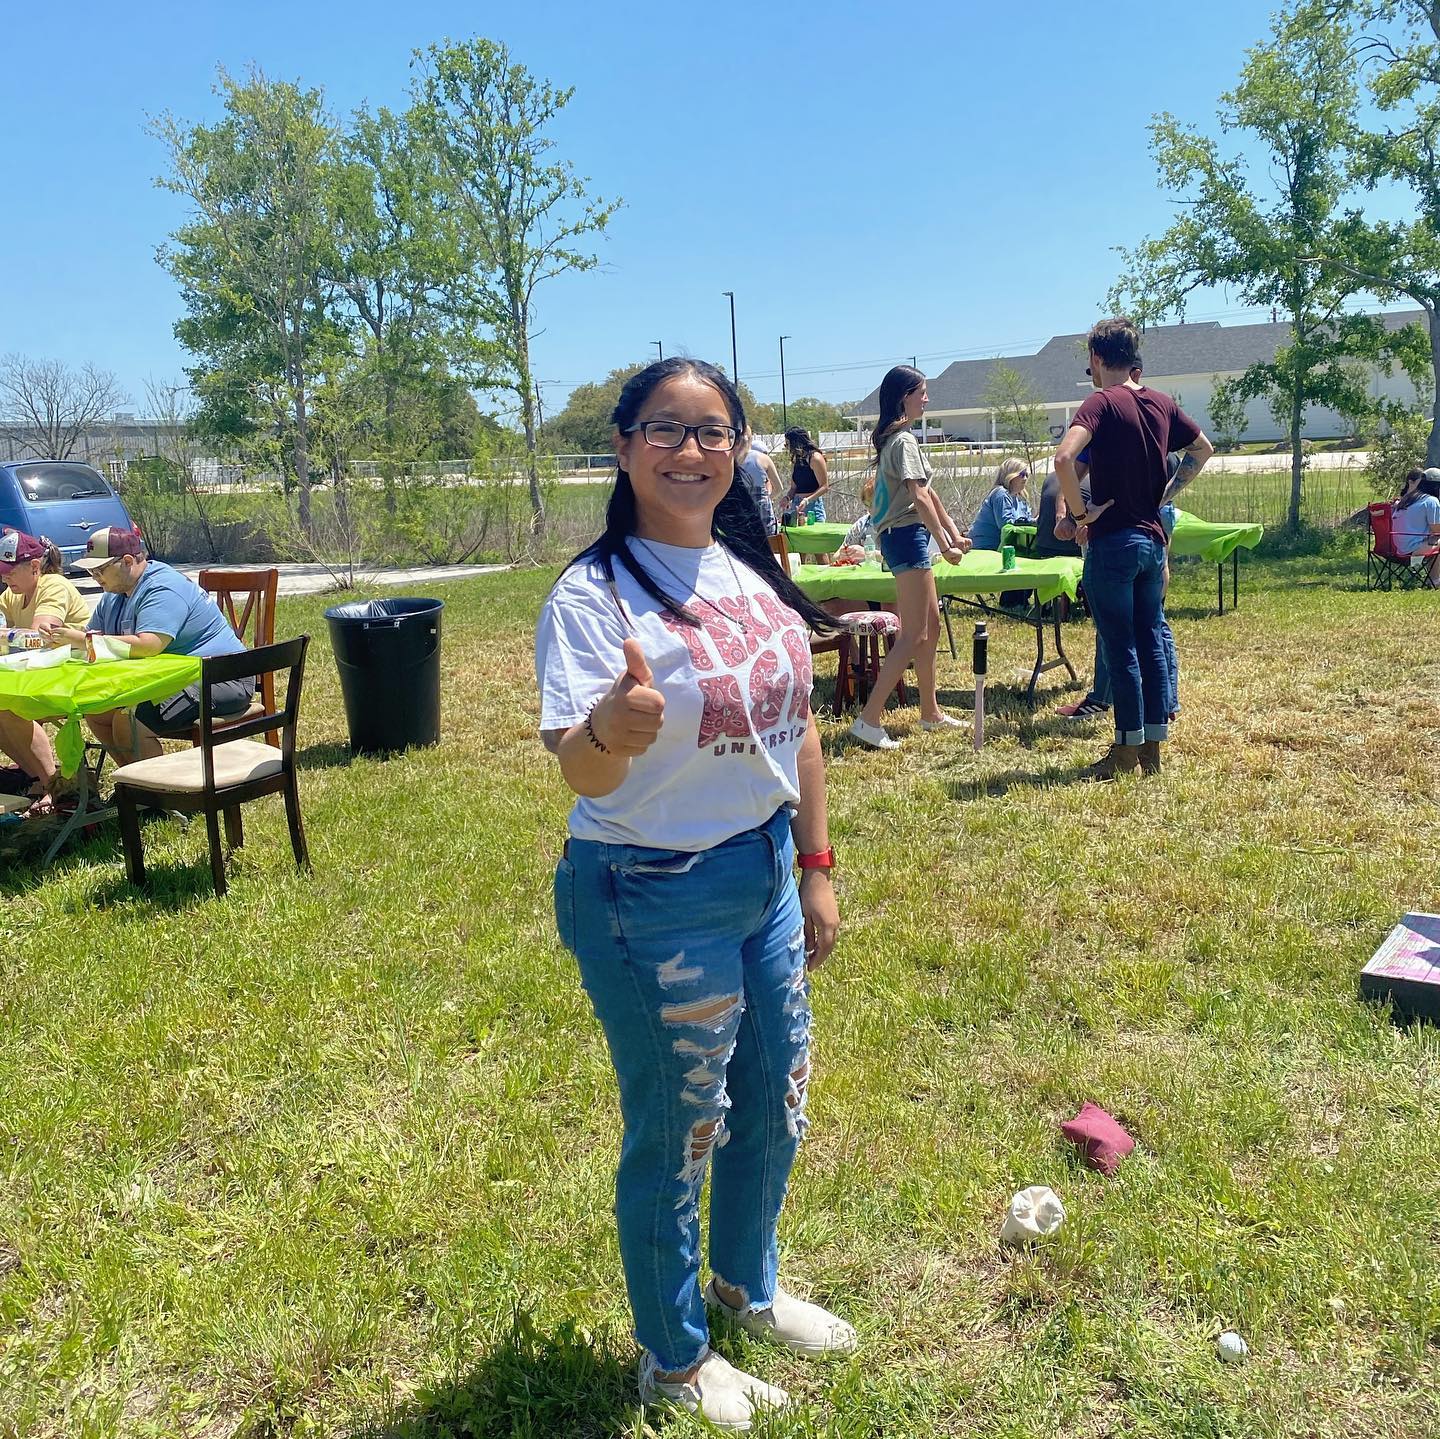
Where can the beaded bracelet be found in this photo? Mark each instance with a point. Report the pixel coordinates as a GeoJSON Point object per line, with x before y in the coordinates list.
{"type": "Point", "coordinates": [590, 731]}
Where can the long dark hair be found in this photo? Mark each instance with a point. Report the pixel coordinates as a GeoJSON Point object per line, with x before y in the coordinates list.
{"type": "Point", "coordinates": [900, 381]}
{"type": "Point", "coordinates": [1410, 489]}
{"type": "Point", "coordinates": [736, 524]}
{"type": "Point", "coordinates": [800, 445]}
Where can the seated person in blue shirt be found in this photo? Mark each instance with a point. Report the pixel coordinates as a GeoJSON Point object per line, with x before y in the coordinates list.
{"type": "Point", "coordinates": [154, 610]}
{"type": "Point", "coordinates": [1006, 504]}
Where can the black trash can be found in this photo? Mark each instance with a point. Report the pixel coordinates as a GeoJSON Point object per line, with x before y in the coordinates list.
{"type": "Point", "coordinates": [388, 654]}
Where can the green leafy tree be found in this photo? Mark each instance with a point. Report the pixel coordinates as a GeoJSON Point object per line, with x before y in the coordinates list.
{"type": "Point", "coordinates": [1228, 421]}
{"type": "Point", "coordinates": [1399, 45]}
{"type": "Point", "coordinates": [397, 253]}
{"type": "Point", "coordinates": [811, 414]}
{"type": "Point", "coordinates": [525, 215]}
{"type": "Point", "coordinates": [1253, 227]}
{"type": "Point", "coordinates": [1018, 410]}
{"type": "Point", "coordinates": [583, 427]}
{"type": "Point", "coordinates": [254, 263]}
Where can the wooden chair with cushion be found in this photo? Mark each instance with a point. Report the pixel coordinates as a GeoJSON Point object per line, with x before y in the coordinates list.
{"type": "Point", "coordinates": [258, 589]}
{"type": "Point", "coordinates": [858, 645]}
{"type": "Point", "coordinates": [228, 769]}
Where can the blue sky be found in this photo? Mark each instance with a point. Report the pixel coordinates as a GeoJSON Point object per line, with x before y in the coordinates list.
{"type": "Point", "coordinates": [939, 181]}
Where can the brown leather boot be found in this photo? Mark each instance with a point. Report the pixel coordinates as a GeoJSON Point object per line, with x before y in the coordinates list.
{"type": "Point", "coordinates": [1117, 760]}
{"type": "Point", "coordinates": [1150, 757]}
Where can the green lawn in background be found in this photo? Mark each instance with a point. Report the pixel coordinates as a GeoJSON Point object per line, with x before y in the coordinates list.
{"type": "Point", "coordinates": [334, 1156]}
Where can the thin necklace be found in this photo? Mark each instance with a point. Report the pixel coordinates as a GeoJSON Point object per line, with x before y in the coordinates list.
{"type": "Point", "coordinates": [728, 618]}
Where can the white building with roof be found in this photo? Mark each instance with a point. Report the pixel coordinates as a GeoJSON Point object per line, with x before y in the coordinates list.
{"type": "Point", "coordinates": [1183, 360]}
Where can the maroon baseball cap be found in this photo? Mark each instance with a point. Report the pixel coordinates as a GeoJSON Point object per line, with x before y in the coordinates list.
{"type": "Point", "coordinates": [109, 544]}
{"type": "Point", "coordinates": [16, 548]}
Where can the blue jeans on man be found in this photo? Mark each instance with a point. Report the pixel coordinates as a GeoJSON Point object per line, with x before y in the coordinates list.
{"type": "Point", "coordinates": [1100, 692]}
{"type": "Point", "coordinates": [1125, 587]}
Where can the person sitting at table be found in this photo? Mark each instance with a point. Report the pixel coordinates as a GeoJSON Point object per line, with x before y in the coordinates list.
{"type": "Point", "coordinates": [1048, 544]}
{"type": "Point", "coordinates": [152, 609]}
{"type": "Point", "coordinates": [1006, 504]}
{"type": "Point", "coordinates": [809, 478]}
{"type": "Point", "coordinates": [907, 511]}
{"type": "Point", "coordinates": [861, 535]}
{"type": "Point", "coordinates": [37, 596]}
{"type": "Point", "coordinates": [1416, 521]}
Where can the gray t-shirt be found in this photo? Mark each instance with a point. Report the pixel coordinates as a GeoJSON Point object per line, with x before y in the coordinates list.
{"type": "Point", "coordinates": [894, 503]}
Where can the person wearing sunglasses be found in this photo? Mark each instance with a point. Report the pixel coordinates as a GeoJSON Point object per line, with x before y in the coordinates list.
{"type": "Point", "coordinates": [1128, 429]}
{"type": "Point", "coordinates": [673, 657]}
{"type": "Point", "coordinates": [1006, 504]}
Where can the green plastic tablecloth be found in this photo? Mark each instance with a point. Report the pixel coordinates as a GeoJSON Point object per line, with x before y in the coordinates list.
{"type": "Point", "coordinates": [1212, 541]}
{"type": "Point", "coordinates": [75, 688]}
{"type": "Point", "coordinates": [815, 539]}
{"type": "Point", "coordinates": [979, 573]}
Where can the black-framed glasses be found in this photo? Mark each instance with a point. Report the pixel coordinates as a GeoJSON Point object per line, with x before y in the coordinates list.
{"type": "Point", "coordinates": [671, 434]}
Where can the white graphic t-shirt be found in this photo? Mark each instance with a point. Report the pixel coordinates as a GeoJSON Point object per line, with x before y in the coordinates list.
{"type": "Point", "coordinates": [737, 694]}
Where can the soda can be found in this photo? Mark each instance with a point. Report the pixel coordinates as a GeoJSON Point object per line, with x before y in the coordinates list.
{"type": "Point", "coordinates": [1007, 557]}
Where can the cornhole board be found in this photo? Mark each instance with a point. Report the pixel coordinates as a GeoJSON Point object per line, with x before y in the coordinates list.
{"type": "Point", "coordinates": [1406, 969]}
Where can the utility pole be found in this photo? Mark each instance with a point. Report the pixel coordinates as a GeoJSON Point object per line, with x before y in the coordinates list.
{"type": "Point", "coordinates": [784, 407]}
{"type": "Point", "coordinates": [734, 357]}
{"type": "Point", "coordinates": [659, 347]}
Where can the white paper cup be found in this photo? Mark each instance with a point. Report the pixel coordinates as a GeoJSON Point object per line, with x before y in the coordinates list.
{"type": "Point", "coordinates": [1034, 1213]}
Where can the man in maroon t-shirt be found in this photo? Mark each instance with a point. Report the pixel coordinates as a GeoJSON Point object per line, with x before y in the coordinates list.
{"type": "Point", "coordinates": [1129, 430]}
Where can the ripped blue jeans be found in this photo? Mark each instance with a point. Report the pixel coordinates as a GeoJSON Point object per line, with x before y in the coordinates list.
{"type": "Point", "coordinates": [695, 965]}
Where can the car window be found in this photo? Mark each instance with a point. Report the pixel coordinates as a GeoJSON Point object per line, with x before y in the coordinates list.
{"type": "Point", "coordinates": [44, 482]}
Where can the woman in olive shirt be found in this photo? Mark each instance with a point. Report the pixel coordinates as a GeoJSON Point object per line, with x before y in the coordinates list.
{"type": "Point", "coordinates": [37, 596]}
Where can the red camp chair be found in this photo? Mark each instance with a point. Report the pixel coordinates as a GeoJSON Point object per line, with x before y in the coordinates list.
{"type": "Point", "coordinates": [1385, 565]}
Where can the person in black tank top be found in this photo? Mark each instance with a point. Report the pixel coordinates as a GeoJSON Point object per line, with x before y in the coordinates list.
{"type": "Point", "coordinates": [809, 477]}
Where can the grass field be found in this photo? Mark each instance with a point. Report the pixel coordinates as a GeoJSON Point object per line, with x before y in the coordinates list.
{"type": "Point", "coordinates": [334, 1156]}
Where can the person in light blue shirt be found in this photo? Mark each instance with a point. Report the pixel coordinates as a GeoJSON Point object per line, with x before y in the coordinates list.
{"type": "Point", "coordinates": [1006, 504]}
{"type": "Point", "coordinates": [151, 609]}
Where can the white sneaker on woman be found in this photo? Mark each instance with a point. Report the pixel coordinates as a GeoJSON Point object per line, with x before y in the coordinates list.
{"type": "Point", "coordinates": [806, 1328]}
{"type": "Point", "coordinates": [944, 722]}
{"type": "Point", "coordinates": [872, 735]}
{"type": "Point", "coordinates": [726, 1396]}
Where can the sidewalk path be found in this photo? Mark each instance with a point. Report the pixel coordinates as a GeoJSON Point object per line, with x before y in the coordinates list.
{"type": "Point", "coordinates": [296, 579]}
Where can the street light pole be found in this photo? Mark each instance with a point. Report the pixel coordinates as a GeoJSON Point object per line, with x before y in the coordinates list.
{"type": "Point", "coordinates": [784, 407]}
{"type": "Point", "coordinates": [734, 357]}
{"type": "Point", "coordinates": [659, 347]}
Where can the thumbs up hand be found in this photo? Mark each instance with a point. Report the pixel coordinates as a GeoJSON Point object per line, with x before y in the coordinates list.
{"type": "Point", "coordinates": [627, 720]}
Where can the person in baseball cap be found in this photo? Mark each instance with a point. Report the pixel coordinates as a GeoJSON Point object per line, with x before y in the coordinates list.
{"type": "Point", "coordinates": [152, 609]}
{"type": "Point", "coordinates": [36, 596]}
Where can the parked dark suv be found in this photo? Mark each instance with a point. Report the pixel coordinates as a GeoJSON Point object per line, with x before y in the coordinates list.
{"type": "Point", "coordinates": [61, 500]}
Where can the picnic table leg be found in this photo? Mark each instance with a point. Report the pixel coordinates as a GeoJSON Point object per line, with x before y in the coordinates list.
{"type": "Point", "coordinates": [949, 633]}
{"type": "Point", "coordinates": [1235, 577]}
{"type": "Point", "coordinates": [1220, 575]}
{"type": "Point", "coordinates": [1039, 654]}
{"type": "Point", "coordinates": [80, 817]}
{"type": "Point", "coordinates": [1060, 643]}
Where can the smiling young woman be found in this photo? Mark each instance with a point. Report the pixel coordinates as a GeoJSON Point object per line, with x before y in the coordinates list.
{"type": "Point", "coordinates": [674, 665]}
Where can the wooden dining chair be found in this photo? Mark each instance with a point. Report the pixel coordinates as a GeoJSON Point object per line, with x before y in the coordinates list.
{"type": "Point", "coordinates": [228, 769]}
{"type": "Point", "coordinates": [258, 589]}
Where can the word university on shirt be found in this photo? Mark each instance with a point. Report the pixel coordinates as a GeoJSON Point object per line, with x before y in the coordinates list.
{"type": "Point", "coordinates": [779, 694]}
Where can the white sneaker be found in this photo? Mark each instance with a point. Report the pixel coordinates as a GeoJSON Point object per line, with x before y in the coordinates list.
{"type": "Point", "coordinates": [726, 1396]}
{"type": "Point", "coordinates": [872, 735]}
{"type": "Point", "coordinates": [944, 722]}
{"type": "Point", "coordinates": [805, 1328]}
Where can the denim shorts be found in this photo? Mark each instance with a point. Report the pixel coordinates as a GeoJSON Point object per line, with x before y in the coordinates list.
{"type": "Point", "coordinates": [906, 547]}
